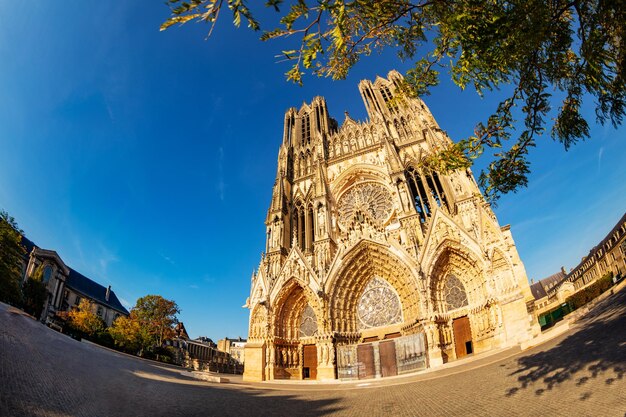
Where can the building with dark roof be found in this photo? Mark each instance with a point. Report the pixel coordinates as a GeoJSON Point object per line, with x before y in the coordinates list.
{"type": "Point", "coordinates": [66, 287]}
{"type": "Point", "coordinates": [55, 274]}
{"type": "Point", "coordinates": [106, 304]}
{"type": "Point", "coordinates": [549, 291]}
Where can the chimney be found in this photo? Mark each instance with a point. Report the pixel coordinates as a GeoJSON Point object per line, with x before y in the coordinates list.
{"type": "Point", "coordinates": [563, 270]}
{"type": "Point", "coordinates": [106, 297]}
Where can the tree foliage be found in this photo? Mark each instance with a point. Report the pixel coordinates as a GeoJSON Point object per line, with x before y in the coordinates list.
{"type": "Point", "coordinates": [11, 260]}
{"type": "Point", "coordinates": [128, 334]}
{"type": "Point", "coordinates": [85, 320]}
{"type": "Point", "coordinates": [157, 315]}
{"type": "Point", "coordinates": [151, 321]}
{"type": "Point", "coordinates": [552, 55]}
{"type": "Point", "coordinates": [35, 293]}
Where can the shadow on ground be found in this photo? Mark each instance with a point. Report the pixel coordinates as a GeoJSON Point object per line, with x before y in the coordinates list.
{"type": "Point", "coordinates": [45, 373]}
{"type": "Point", "coordinates": [598, 350]}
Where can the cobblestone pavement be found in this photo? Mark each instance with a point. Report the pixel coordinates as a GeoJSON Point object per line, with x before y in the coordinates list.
{"type": "Point", "coordinates": [580, 373]}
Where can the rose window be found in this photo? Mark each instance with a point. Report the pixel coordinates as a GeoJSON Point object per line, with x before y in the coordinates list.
{"type": "Point", "coordinates": [379, 305]}
{"type": "Point", "coordinates": [370, 199]}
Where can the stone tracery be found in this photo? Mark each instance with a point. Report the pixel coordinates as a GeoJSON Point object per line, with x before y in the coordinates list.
{"type": "Point", "coordinates": [379, 305]}
{"type": "Point", "coordinates": [453, 263]}
{"type": "Point", "coordinates": [365, 261]}
{"type": "Point", "coordinates": [454, 293]}
{"type": "Point", "coordinates": [369, 199]}
{"type": "Point", "coordinates": [308, 322]}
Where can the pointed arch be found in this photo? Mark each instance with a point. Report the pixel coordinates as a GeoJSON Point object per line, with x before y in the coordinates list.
{"type": "Point", "coordinates": [453, 261]}
{"type": "Point", "coordinates": [427, 191]}
{"type": "Point", "coordinates": [288, 308]}
{"type": "Point", "coordinates": [501, 272]}
{"type": "Point", "coordinates": [350, 277]}
{"type": "Point", "coordinates": [356, 173]}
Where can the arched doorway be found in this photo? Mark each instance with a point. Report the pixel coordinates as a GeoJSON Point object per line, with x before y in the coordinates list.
{"type": "Point", "coordinates": [455, 299]}
{"type": "Point", "coordinates": [295, 327]}
{"type": "Point", "coordinates": [461, 304]}
{"type": "Point", "coordinates": [374, 298]}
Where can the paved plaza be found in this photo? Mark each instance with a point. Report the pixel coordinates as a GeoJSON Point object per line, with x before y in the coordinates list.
{"type": "Point", "coordinates": [579, 373]}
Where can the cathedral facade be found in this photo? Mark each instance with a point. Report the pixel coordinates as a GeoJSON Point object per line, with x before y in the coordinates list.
{"type": "Point", "coordinates": [375, 266]}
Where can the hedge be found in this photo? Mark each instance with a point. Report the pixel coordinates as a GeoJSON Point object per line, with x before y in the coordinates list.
{"type": "Point", "coordinates": [587, 294]}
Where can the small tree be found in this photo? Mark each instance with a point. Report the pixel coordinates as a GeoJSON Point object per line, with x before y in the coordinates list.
{"type": "Point", "coordinates": [151, 321]}
{"type": "Point", "coordinates": [157, 316]}
{"type": "Point", "coordinates": [11, 260]}
{"type": "Point", "coordinates": [35, 293]}
{"type": "Point", "coordinates": [84, 320]}
{"type": "Point", "coordinates": [128, 335]}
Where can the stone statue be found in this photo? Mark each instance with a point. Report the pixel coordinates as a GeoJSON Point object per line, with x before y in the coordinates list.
{"type": "Point", "coordinates": [321, 220]}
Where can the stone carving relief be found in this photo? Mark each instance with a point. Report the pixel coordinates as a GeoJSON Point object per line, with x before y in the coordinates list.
{"type": "Point", "coordinates": [358, 231]}
{"type": "Point", "coordinates": [288, 356]}
{"type": "Point", "coordinates": [352, 138]}
{"type": "Point", "coordinates": [258, 323]}
{"type": "Point", "coordinates": [321, 220]}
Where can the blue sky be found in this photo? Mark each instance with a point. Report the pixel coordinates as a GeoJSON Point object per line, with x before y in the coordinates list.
{"type": "Point", "coordinates": [146, 158]}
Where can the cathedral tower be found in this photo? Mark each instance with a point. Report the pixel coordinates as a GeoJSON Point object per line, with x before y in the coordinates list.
{"type": "Point", "coordinates": [375, 266]}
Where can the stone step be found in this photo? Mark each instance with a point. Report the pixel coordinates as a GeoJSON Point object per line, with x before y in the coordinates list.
{"type": "Point", "coordinates": [206, 376]}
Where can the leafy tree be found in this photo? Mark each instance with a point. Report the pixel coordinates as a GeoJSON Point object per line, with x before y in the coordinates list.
{"type": "Point", "coordinates": [85, 320]}
{"type": "Point", "coordinates": [157, 316]}
{"type": "Point", "coordinates": [151, 321]}
{"type": "Point", "coordinates": [35, 293]}
{"type": "Point", "coordinates": [11, 259]}
{"type": "Point", "coordinates": [128, 334]}
{"type": "Point", "coordinates": [552, 55]}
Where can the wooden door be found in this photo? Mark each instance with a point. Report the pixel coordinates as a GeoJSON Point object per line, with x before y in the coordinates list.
{"type": "Point", "coordinates": [462, 336]}
{"type": "Point", "coordinates": [388, 366]}
{"type": "Point", "coordinates": [365, 358]}
{"type": "Point", "coordinates": [309, 362]}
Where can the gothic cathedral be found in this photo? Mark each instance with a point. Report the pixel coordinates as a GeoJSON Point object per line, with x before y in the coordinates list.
{"type": "Point", "coordinates": [375, 266]}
